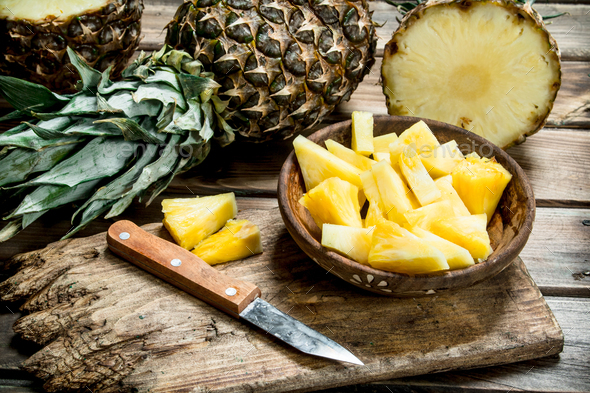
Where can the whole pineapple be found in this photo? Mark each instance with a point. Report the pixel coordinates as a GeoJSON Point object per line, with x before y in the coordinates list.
{"type": "Point", "coordinates": [282, 65]}
{"type": "Point", "coordinates": [490, 67]}
{"type": "Point", "coordinates": [34, 35]}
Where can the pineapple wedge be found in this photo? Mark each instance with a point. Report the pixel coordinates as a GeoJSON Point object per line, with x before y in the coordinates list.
{"type": "Point", "coordinates": [419, 137]}
{"type": "Point", "coordinates": [190, 220]}
{"type": "Point", "coordinates": [238, 239]}
{"type": "Point", "coordinates": [448, 193]}
{"type": "Point", "coordinates": [334, 201]}
{"type": "Point", "coordinates": [376, 210]}
{"type": "Point", "coordinates": [382, 157]}
{"type": "Point", "coordinates": [317, 164]}
{"type": "Point", "coordinates": [423, 217]}
{"type": "Point", "coordinates": [442, 160]}
{"type": "Point", "coordinates": [395, 249]}
{"type": "Point", "coordinates": [457, 257]}
{"type": "Point", "coordinates": [354, 243]}
{"type": "Point", "coordinates": [468, 232]}
{"type": "Point", "coordinates": [361, 162]}
{"type": "Point", "coordinates": [362, 133]}
{"type": "Point", "coordinates": [381, 143]}
{"type": "Point", "coordinates": [393, 192]}
{"type": "Point", "coordinates": [417, 177]}
{"type": "Point", "coordinates": [480, 183]}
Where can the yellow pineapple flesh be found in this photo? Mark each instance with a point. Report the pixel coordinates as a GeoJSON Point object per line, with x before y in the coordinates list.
{"type": "Point", "coordinates": [317, 164]}
{"type": "Point", "coordinates": [334, 201]}
{"type": "Point", "coordinates": [457, 257]}
{"type": "Point", "coordinates": [448, 193]}
{"type": "Point", "coordinates": [480, 183]}
{"type": "Point", "coordinates": [361, 162]}
{"type": "Point", "coordinates": [418, 136]}
{"type": "Point", "coordinates": [417, 177]}
{"type": "Point", "coordinates": [371, 191]}
{"type": "Point", "coordinates": [190, 220]}
{"type": "Point", "coordinates": [355, 243]}
{"type": "Point", "coordinates": [393, 191]}
{"type": "Point", "coordinates": [362, 133]}
{"type": "Point", "coordinates": [442, 160]}
{"type": "Point", "coordinates": [381, 143]}
{"type": "Point", "coordinates": [426, 215]}
{"type": "Point", "coordinates": [382, 157]}
{"type": "Point", "coordinates": [395, 249]}
{"type": "Point", "coordinates": [468, 232]}
{"type": "Point", "coordinates": [238, 239]}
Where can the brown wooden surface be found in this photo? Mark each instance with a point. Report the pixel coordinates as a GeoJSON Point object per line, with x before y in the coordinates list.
{"type": "Point", "coordinates": [106, 324]}
{"type": "Point", "coordinates": [557, 253]}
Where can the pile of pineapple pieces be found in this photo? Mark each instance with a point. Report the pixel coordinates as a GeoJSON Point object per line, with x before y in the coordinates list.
{"type": "Point", "coordinates": [428, 205]}
{"type": "Point", "coordinates": [195, 224]}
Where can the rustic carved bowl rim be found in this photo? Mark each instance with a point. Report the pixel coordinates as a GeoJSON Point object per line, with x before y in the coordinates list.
{"type": "Point", "coordinates": [425, 284]}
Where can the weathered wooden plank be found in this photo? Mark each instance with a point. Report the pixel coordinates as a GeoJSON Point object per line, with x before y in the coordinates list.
{"type": "Point", "coordinates": [105, 322]}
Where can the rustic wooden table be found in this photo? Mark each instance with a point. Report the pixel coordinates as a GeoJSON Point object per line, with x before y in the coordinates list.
{"type": "Point", "coordinates": [557, 161]}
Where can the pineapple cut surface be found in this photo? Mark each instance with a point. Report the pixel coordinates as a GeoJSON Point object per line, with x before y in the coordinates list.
{"type": "Point", "coordinates": [376, 209]}
{"type": "Point", "coordinates": [318, 164]}
{"type": "Point", "coordinates": [36, 11]}
{"type": "Point", "coordinates": [354, 243]}
{"type": "Point", "coordinates": [381, 143]}
{"type": "Point", "coordinates": [190, 220]}
{"type": "Point", "coordinates": [423, 217]}
{"type": "Point", "coordinates": [480, 183]}
{"type": "Point", "coordinates": [442, 160]}
{"type": "Point", "coordinates": [457, 257]}
{"type": "Point", "coordinates": [382, 157]}
{"type": "Point", "coordinates": [238, 239]}
{"type": "Point", "coordinates": [334, 201]}
{"type": "Point", "coordinates": [393, 191]}
{"type": "Point", "coordinates": [362, 133]}
{"type": "Point", "coordinates": [395, 249]}
{"type": "Point", "coordinates": [419, 181]}
{"type": "Point", "coordinates": [448, 193]}
{"type": "Point", "coordinates": [468, 232]}
{"type": "Point", "coordinates": [419, 137]}
{"type": "Point", "coordinates": [489, 67]}
{"type": "Point", "coordinates": [361, 162]}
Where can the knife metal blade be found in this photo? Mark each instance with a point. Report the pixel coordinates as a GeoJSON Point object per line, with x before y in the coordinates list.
{"type": "Point", "coordinates": [239, 299]}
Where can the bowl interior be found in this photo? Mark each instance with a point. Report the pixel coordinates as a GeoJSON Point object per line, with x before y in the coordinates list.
{"type": "Point", "coordinates": [509, 228]}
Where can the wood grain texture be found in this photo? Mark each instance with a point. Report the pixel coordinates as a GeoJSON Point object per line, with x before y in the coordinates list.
{"type": "Point", "coordinates": [107, 325]}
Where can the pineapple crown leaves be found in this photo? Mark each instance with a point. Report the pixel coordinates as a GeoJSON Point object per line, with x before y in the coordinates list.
{"type": "Point", "coordinates": [110, 142]}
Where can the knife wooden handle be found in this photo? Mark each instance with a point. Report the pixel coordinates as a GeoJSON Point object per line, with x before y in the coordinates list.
{"type": "Point", "coordinates": [180, 267]}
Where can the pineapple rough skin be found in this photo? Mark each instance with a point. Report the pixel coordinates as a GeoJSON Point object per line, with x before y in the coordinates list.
{"type": "Point", "coordinates": [283, 65]}
{"type": "Point", "coordinates": [36, 50]}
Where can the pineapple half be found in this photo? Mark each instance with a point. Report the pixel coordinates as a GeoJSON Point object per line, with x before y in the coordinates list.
{"type": "Point", "coordinates": [490, 67]}
{"type": "Point", "coordinates": [34, 36]}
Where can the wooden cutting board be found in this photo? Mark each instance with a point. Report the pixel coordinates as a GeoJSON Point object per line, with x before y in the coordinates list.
{"type": "Point", "coordinates": [108, 326]}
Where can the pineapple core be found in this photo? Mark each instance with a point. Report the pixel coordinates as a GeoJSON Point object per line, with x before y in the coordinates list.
{"type": "Point", "coordinates": [238, 239]}
{"type": "Point", "coordinates": [190, 220]}
{"type": "Point", "coordinates": [362, 133]}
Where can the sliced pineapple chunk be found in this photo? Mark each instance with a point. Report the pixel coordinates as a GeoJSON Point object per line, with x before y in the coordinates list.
{"type": "Point", "coordinates": [442, 160]}
{"type": "Point", "coordinates": [354, 243]}
{"type": "Point", "coordinates": [190, 220]}
{"type": "Point", "coordinates": [448, 193]}
{"type": "Point", "coordinates": [382, 157]}
{"type": "Point", "coordinates": [480, 183]}
{"type": "Point", "coordinates": [381, 143]}
{"type": "Point", "coordinates": [361, 162]}
{"type": "Point", "coordinates": [317, 164]}
{"type": "Point", "coordinates": [466, 231]}
{"type": "Point", "coordinates": [417, 177]}
{"type": "Point", "coordinates": [334, 201]}
{"type": "Point", "coordinates": [393, 192]}
{"type": "Point", "coordinates": [362, 133]}
{"type": "Point", "coordinates": [419, 137]}
{"type": "Point", "coordinates": [238, 239]}
{"type": "Point", "coordinates": [457, 257]}
{"type": "Point", "coordinates": [423, 217]}
{"type": "Point", "coordinates": [376, 210]}
{"type": "Point", "coordinates": [395, 249]}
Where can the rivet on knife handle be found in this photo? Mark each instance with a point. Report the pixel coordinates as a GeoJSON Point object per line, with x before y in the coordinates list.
{"type": "Point", "coordinates": [180, 268]}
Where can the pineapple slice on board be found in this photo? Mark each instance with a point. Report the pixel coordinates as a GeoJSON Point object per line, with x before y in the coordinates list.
{"type": "Point", "coordinates": [333, 201]}
{"type": "Point", "coordinates": [448, 193]}
{"type": "Point", "coordinates": [442, 160]}
{"type": "Point", "coordinates": [361, 162]}
{"type": "Point", "coordinates": [480, 183]}
{"type": "Point", "coordinates": [419, 181]}
{"type": "Point", "coordinates": [457, 256]}
{"type": "Point", "coordinates": [395, 249]}
{"type": "Point", "coordinates": [190, 220]}
{"type": "Point", "coordinates": [362, 133]}
{"type": "Point", "coordinates": [238, 239]}
{"type": "Point", "coordinates": [354, 243]}
{"type": "Point", "coordinates": [466, 231]}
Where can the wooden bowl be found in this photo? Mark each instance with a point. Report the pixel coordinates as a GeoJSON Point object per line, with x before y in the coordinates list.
{"type": "Point", "coordinates": [509, 228]}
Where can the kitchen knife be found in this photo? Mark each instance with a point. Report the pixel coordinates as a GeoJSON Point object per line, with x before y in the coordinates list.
{"type": "Point", "coordinates": [240, 299]}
